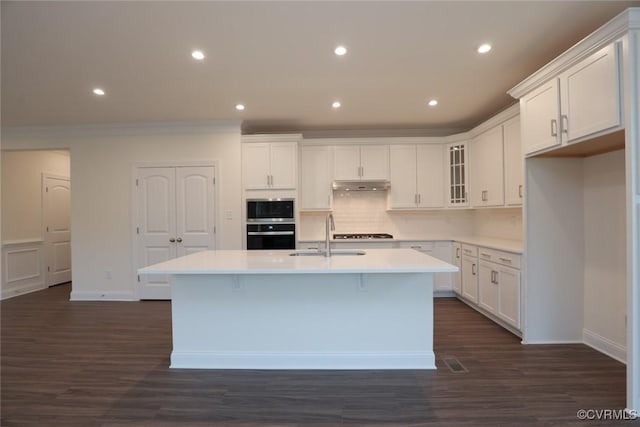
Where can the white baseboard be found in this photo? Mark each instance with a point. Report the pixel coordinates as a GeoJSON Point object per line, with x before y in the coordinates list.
{"type": "Point", "coordinates": [22, 290]}
{"type": "Point", "coordinates": [605, 345]}
{"type": "Point", "coordinates": [102, 296]}
{"type": "Point", "coordinates": [272, 360]}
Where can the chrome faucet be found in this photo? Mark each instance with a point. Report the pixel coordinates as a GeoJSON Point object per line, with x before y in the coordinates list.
{"type": "Point", "coordinates": [330, 225]}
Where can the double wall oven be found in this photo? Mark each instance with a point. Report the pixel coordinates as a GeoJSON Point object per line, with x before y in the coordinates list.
{"type": "Point", "coordinates": [271, 224]}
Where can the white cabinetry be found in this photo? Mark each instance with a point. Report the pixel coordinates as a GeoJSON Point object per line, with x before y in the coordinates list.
{"type": "Point", "coordinates": [456, 278]}
{"type": "Point", "coordinates": [470, 273]}
{"type": "Point", "coordinates": [437, 249]}
{"type": "Point", "coordinates": [316, 174]}
{"type": "Point", "coordinates": [582, 102]}
{"type": "Point", "coordinates": [269, 165]}
{"type": "Point", "coordinates": [499, 284]}
{"type": "Point", "coordinates": [417, 176]}
{"type": "Point", "coordinates": [487, 173]}
{"type": "Point", "coordinates": [513, 162]}
{"type": "Point", "coordinates": [456, 161]}
{"type": "Point", "coordinates": [361, 162]}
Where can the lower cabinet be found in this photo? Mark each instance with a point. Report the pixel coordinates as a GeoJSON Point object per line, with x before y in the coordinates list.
{"type": "Point", "coordinates": [470, 273]}
{"type": "Point", "coordinates": [437, 249]}
{"type": "Point", "coordinates": [492, 281]}
{"type": "Point", "coordinates": [456, 278]}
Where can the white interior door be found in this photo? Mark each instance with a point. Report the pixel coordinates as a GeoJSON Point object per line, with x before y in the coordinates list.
{"type": "Point", "coordinates": [194, 209]}
{"type": "Point", "coordinates": [175, 217]}
{"type": "Point", "coordinates": [57, 228]}
{"type": "Point", "coordinates": [156, 227]}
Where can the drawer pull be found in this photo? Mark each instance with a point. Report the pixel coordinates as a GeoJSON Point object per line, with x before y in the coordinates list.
{"type": "Point", "coordinates": [416, 247]}
{"type": "Point", "coordinates": [507, 260]}
{"type": "Point", "coordinates": [482, 254]}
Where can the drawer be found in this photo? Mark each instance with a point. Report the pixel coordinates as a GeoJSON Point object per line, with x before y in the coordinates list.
{"type": "Point", "coordinates": [469, 250]}
{"type": "Point", "coordinates": [419, 246]}
{"type": "Point", "coordinates": [505, 258]}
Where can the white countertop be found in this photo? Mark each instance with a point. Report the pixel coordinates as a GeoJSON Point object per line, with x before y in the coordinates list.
{"type": "Point", "coordinates": [515, 246]}
{"type": "Point", "coordinates": [280, 262]}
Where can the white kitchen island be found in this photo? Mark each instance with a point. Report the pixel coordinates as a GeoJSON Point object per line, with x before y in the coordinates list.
{"type": "Point", "coordinates": [234, 309]}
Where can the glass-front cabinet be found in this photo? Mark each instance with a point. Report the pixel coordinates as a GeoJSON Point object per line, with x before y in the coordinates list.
{"type": "Point", "coordinates": [457, 155]}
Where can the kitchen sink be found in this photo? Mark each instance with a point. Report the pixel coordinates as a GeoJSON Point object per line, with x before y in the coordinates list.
{"type": "Point", "coordinates": [335, 252]}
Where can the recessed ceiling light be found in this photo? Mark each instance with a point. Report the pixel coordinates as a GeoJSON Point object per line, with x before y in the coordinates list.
{"type": "Point", "coordinates": [98, 91]}
{"type": "Point", "coordinates": [239, 107]}
{"type": "Point", "coordinates": [484, 48]}
{"type": "Point", "coordinates": [197, 54]}
{"type": "Point", "coordinates": [340, 50]}
{"type": "Point", "coordinates": [433, 103]}
{"type": "Point", "coordinates": [336, 104]}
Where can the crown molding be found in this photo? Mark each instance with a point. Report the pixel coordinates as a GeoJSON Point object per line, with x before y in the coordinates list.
{"type": "Point", "coordinates": [272, 137]}
{"type": "Point", "coordinates": [141, 128]}
{"type": "Point", "coordinates": [606, 34]}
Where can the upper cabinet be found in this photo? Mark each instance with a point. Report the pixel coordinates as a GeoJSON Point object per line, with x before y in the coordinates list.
{"type": "Point", "coordinates": [269, 165]}
{"type": "Point", "coordinates": [513, 163]}
{"type": "Point", "coordinates": [457, 165]}
{"type": "Point", "coordinates": [487, 168]}
{"type": "Point", "coordinates": [315, 177]}
{"type": "Point", "coordinates": [361, 162]}
{"type": "Point", "coordinates": [417, 176]}
{"type": "Point", "coordinates": [582, 102]}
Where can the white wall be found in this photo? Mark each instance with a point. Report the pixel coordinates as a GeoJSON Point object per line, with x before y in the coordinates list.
{"type": "Point", "coordinates": [102, 161]}
{"type": "Point", "coordinates": [605, 253]}
{"type": "Point", "coordinates": [366, 212]}
{"type": "Point", "coordinates": [499, 223]}
{"type": "Point", "coordinates": [22, 190]}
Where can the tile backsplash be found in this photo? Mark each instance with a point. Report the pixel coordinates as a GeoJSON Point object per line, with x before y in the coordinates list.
{"type": "Point", "coordinates": [366, 212]}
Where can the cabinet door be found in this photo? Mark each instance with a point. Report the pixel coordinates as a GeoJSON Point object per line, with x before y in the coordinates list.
{"type": "Point", "coordinates": [430, 176]}
{"type": "Point", "coordinates": [539, 115]}
{"type": "Point", "coordinates": [487, 169]}
{"type": "Point", "coordinates": [509, 295]}
{"type": "Point", "coordinates": [470, 278]}
{"type": "Point", "coordinates": [442, 281]}
{"type": "Point", "coordinates": [513, 162]}
{"type": "Point", "coordinates": [487, 287]}
{"type": "Point", "coordinates": [591, 95]}
{"type": "Point", "coordinates": [255, 166]}
{"type": "Point", "coordinates": [283, 158]}
{"type": "Point", "coordinates": [346, 163]}
{"type": "Point", "coordinates": [457, 261]}
{"type": "Point", "coordinates": [456, 159]}
{"type": "Point", "coordinates": [402, 161]}
{"type": "Point", "coordinates": [315, 178]}
{"type": "Point", "coordinates": [374, 160]}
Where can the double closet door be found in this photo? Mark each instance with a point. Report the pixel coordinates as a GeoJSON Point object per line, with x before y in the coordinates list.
{"type": "Point", "coordinates": [175, 218]}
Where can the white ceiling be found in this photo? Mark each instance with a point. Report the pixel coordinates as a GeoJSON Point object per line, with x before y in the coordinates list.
{"type": "Point", "coordinates": [277, 58]}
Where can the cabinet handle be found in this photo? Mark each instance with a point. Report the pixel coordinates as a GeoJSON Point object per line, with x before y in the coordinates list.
{"type": "Point", "coordinates": [484, 195]}
{"type": "Point", "coordinates": [179, 240]}
{"type": "Point", "coordinates": [172, 240]}
{"type": "Point", "coordinates": [482, 254]}
{"type": "Point", "coordinates": [271, 180]}
{"type": "Point", "coordinates": [415, 199]}
{"type": "Point", "coordinates": [457, 252]}
{"type": "Point", "coordinates": [520, 191]}
{"type": "Point", "coordinates": [564, 124]}
{"type": "Point", "coordinates": [419, 199]}
{"type": "Point", "coordinates": [507, 260]}
{"type": "Point", "coordinates": [494, 277]}
{"type": "Point", "coordinates": [416, 247]}
{"type": "Point", "coordinates": [473, 269]}
{"type": "Point", "coordinates": [554, 127]}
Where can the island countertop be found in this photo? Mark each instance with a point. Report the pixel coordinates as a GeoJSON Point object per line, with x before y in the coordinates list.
{"type": "Point", "coordinates": [281, 262]}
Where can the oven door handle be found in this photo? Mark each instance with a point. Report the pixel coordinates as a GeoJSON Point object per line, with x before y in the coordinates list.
{"type": "Point", "coordinates": [270, 233]}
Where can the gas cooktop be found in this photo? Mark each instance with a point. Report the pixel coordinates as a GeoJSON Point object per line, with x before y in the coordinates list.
{"type": "Point", "coordinates": [363, 236]}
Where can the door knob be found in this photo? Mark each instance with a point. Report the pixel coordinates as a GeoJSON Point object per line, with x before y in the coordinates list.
{"type": "Point", "coordinates": [172, 240]}
{"type": "Point", "coordinates": [179, 239]}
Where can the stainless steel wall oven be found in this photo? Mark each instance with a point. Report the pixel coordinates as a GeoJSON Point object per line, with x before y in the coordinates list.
{"type": "Point", "coordinates": [271, 224]}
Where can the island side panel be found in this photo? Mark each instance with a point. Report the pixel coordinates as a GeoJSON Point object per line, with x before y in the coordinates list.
{"type": "Point", "coordinates": [303, 321]}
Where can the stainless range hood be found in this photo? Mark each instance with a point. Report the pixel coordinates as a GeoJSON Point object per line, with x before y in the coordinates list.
{"type": "Point", "coordinates": [361, 185]}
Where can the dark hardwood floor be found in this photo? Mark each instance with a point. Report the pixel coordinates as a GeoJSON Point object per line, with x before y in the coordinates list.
{"type": "Point", "coordinates": [106, 364]}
